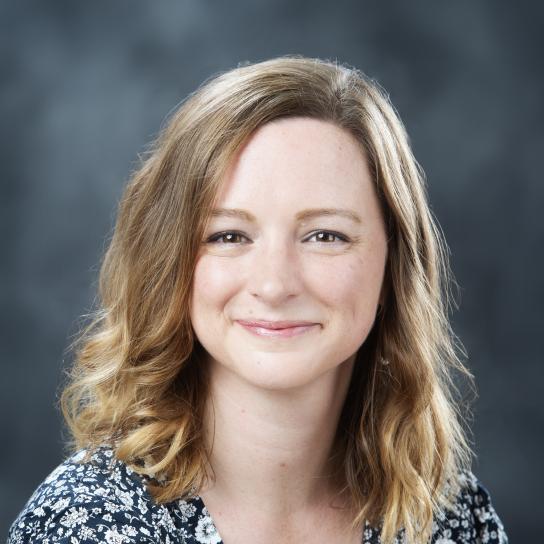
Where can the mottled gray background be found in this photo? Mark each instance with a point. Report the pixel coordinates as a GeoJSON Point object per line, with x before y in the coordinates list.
{"type": "Point", "coordinates": [84, 86]}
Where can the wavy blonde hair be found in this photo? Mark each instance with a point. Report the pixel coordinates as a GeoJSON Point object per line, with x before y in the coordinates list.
{"type": "Point", "coordinates": [138, 382]}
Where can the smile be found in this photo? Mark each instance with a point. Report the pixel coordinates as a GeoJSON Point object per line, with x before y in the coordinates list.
{"type": "Point", "coordinates": [285, 332]}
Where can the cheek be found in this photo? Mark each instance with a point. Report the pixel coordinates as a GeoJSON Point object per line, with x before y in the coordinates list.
{"type": "Point", "coordinates": [215, 280]}
{"type": "Point", "coordinates": [349, 288]}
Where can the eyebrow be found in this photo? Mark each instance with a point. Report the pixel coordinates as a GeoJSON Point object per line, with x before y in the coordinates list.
{"type": "Point", "coordinates": [300, 216]}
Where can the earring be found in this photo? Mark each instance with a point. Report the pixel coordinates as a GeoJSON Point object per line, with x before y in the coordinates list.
{"type": "Point", "coordinates": [383, 361]}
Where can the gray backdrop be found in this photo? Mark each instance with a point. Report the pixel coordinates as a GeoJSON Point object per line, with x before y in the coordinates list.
{"type": "Point", "coordinates": [86, 84]}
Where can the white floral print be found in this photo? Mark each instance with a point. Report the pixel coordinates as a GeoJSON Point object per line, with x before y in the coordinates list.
{"type": "Point", "coordinates": [102, 500]}
{"type": "Point", "coordinates": [205, 531]}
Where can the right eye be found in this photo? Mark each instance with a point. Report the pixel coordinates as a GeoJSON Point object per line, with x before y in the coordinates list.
{"type": "Point", "coordinates": [227, 237]}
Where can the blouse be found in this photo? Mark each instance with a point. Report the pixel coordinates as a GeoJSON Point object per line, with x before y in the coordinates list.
{"type": "Point", "coordinates": [103, 500]}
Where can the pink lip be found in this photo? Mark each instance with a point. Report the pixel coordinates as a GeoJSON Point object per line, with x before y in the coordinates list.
{"type": "Point", "coordinates": [277, 329]}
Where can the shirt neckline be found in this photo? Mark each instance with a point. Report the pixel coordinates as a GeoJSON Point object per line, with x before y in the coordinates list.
{"type": "Point", "coordinates": [200, 526]}
{"type": "Point", "coordinates": [198, 522]}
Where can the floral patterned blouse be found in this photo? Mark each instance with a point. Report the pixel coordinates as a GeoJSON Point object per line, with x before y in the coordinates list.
{"type": "Point", "coordinates": [103, 500]}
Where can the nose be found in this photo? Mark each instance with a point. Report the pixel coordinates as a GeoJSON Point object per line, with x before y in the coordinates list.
{"type": "Point", "coordinates": [274, 274]}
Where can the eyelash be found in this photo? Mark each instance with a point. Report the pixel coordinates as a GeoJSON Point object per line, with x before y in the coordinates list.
{"type": "Point", "coordinates": [216, 237]}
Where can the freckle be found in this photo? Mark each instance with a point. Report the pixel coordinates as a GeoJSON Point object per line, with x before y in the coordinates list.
{"type": "Point", "coordinates": [243, 410]}
{"type": "Point", "coordinates": [282, 465]}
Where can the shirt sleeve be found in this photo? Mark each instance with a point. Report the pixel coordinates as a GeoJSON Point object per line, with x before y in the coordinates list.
{"type": "Point", "coordinates": [489, 527]}
{"type": "Point", "coordinates": [69, 522]}
{"type": "Point", "coordinates": [473, 519]}
{"type": "Point", "coordinates": [88, 503]}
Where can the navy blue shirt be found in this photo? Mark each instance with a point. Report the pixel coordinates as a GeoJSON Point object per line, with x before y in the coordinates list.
{"type": "Point", "coordinates": [103, 500]}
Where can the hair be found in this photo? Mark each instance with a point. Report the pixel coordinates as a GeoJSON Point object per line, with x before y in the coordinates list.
{"type": "Point", "coordinates": [138, 381]}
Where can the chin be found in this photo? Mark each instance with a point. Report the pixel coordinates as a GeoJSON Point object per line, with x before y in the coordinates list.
{"type": "Point", "coordinates": [272, 373]}
{"type": "Point", "coordinates": [275, 383]}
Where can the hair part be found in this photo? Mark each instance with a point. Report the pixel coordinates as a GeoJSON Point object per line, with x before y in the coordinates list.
{"type": "Point", "coordinates": [138, 382]}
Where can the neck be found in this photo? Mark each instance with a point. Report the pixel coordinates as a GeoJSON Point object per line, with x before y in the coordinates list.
{"type": "Point", "coordinates": [271, 449]}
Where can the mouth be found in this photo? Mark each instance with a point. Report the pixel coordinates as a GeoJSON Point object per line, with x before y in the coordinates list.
{"type": "Point", "coordinates": [278, 329]}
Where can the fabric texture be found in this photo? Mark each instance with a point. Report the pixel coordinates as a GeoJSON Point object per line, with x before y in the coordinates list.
{"type": "Point", "coordinates": [103, 500]}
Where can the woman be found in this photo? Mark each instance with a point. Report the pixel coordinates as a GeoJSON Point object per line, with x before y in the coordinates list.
{"type": "Point", "coordinates": [272, 358]}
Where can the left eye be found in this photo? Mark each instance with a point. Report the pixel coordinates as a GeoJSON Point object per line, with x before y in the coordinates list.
{"type": "Point", "coordinates": [327, 236]}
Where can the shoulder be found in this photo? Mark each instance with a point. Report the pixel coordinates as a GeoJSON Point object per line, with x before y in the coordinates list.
{"type": "Point", "coordinates": [472, 518]}
{"type": "Point", "coordinates": [92, 500]}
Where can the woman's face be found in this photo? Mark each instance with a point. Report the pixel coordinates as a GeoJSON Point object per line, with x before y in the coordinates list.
{"type": "Point", "coordinates": [272, 253]}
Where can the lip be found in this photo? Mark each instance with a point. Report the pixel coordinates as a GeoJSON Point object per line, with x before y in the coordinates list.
{"type": "Point", "coordinates": [277, 329]}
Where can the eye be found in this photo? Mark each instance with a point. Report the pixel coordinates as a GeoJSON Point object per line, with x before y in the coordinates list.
{"type": "Point", "coordinates": [328, 237]}
{"type": "Point", "coordinates": [227, 237]}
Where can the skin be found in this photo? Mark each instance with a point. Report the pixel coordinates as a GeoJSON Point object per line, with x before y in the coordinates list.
{"type": "Point", "coordinates": [275, 402]}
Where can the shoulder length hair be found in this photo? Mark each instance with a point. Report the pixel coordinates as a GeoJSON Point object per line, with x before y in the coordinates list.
{"type": "Point", "coordinates": [138, 382]}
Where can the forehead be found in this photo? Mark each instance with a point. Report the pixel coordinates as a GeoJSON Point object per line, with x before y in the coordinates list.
{"type": "Point", "coordinates": [296, 158]}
